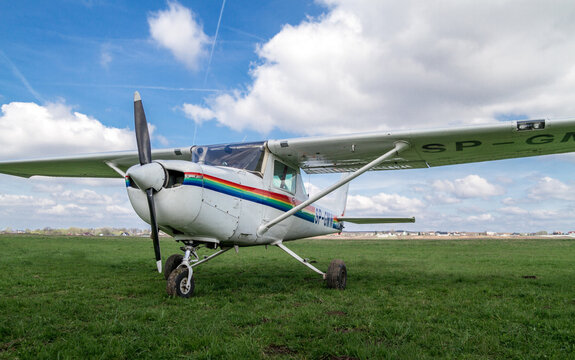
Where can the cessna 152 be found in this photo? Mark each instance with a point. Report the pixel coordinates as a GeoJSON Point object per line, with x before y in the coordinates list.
{"type": "Point", "coordinates": [245, 194]}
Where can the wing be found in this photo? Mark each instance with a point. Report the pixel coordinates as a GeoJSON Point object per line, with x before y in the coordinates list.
{"type": "Point", "coordinates": [92, 165]}
{"type": "Point", "coordinates": [428, 148]}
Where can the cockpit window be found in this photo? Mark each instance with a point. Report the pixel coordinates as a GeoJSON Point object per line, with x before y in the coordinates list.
{"type": "Point", "coordinates": [284, 177]}
{"type": "Point", "coordinates": [246, 156]}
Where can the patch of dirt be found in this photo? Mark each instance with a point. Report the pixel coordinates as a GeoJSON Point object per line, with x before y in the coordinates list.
{"type": "Point", "coordinates": [274, 349]}
{"type": "Point", "coordinates": [529, 277]}
{"type": "Point", "coordinates": [346, 330]}
{"type": "Point", "coordinates": [337, 313]}
{"type": "Point", "coordinates": [11, 345]}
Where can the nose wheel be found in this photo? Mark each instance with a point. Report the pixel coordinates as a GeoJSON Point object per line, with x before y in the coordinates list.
{"type": "Point", "coordinates": [172, 264]}
{"type": "Point", "coordinates": [179, 272]}
{"type": "Point", "coordinates": [180, 283]}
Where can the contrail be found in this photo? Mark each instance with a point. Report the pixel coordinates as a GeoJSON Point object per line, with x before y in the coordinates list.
{"type": "Point", "coordinates": [245, 33]}
{"type": "Point", "coordinates": [215, 40]}
{"type": "Point", "coordinates": [210, 60]}
{"type": "Point", "coordinates": [21, 77]}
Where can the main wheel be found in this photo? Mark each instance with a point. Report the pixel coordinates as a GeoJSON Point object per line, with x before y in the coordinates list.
{"type": "Point", "coordinates": [336, 275]}
{"type": "Point", "coordinates": [178, 283]}
{"type": "Point", "coordinates": [171, 264]}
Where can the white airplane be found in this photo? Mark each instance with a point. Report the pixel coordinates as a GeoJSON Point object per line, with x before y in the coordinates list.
{"type": "Point", "coordinates": [245, 194]}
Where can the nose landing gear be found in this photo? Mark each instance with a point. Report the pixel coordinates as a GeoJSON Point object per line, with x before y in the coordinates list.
{"type": "Point", "coordinates": [179, 273]}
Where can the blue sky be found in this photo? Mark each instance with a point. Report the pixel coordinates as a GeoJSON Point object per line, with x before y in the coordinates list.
{"type": "Point", "coordinates": [281, 69]}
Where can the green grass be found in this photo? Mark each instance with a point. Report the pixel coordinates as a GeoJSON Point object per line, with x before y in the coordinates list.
{"type": "Point", "coordinates": [101, 298]}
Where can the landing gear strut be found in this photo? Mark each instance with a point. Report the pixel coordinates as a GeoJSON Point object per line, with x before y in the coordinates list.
{"type": "Point", "coordinates": [336, 276]}
{"type": "Point", "coordinates": [179, 272]}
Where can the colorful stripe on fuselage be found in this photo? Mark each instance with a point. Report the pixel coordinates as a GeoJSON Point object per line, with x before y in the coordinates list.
{"type": "Point", "coordinates": [277, 201]}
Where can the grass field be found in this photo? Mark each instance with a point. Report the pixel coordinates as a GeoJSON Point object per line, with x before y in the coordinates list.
{"type": "Point", "coordinates": [478, 299]}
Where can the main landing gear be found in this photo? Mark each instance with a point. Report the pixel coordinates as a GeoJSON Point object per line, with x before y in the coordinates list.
{"type": "Point", "coordinates": [179, 272]}
{"type": "Point", "coordinates": [336, 276]}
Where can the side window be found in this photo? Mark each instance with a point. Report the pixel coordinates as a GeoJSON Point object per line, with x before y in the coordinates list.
{"type": "Point", "coordinates": [284, 177]}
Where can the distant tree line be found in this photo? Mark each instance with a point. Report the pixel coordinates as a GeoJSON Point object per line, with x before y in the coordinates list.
{"type": "Point", "coordinates": [77, 231]}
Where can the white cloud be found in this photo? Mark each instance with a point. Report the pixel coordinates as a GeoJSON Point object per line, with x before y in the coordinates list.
{"type": "Point", "coordinates": [384, 204]}
{"type": "Point", "coordinates": [84, 197]}
{"type": "Point", "coordinates": [548, 187]}
{"type": "Point", "coordinates": [441, 198]}
{"type": "Point", "coordinates": [542, 214]}
{"type": "Point", "coordinates": [54, 184]}
{"type": "Point", "coordinates": [31, 130]}
{"type": "Point", "coordinates": [471, 186]}
{"type": "Point", "coordinates": [11, 200]}
{"type": "Point", "coordinates": [480, 218]}
{"type": "Point", "coordinates": [197, 113]}
{"type": "Point", "coordinates": [119, 210]}
{"type": "Point", "coordinates": [311, 188]}
{"type": "Point", "coordinates": [178, 30]}
{"type": "Point", "coordinates": [373, 64]}
{"type": "Point", "coordinates": [65, 210]}
{"type": "Point", "coordinates": [514, 210]}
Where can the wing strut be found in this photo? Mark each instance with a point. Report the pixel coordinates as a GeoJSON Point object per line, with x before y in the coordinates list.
{"type": "Point", "coordinates": [398, 148]}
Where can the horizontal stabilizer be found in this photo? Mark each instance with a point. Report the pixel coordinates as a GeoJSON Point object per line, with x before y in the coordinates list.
{"type": "Point", "coordinates": [375, 220]}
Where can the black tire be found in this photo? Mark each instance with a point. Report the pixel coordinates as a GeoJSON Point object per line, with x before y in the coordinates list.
{"type": "Point", "coordinates": [177, 283]}
{"type": "Point", "coordinates": [171, 264]}
{"type": "Point", "coordinates": [336, 276]}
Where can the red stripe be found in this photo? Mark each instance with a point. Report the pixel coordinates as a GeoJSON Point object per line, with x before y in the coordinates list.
{"type": "Point", "coordinates": [280, 197]}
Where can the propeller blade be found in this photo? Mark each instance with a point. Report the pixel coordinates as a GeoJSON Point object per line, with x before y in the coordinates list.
{"type": "Point", "coordinates": [155, 231]}
{"type": "Point", "coordinates": [145, 173]}
{"type": "Point", "coordinates": [142, 135]}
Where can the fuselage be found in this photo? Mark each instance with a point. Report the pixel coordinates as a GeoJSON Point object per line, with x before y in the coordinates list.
{"type": "Point", "coordinates": [225, 196]}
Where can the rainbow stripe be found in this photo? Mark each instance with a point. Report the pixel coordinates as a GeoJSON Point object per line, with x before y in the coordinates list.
{"type": "Point", "coordinates": [277, 201]}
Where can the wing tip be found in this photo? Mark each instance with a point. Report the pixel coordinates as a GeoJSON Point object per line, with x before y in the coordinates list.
{"type": "Point", "coordinates": [137, 96]}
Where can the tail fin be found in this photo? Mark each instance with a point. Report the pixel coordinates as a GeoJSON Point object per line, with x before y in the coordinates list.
{"type": "Point", "coordinates": [341, 198]}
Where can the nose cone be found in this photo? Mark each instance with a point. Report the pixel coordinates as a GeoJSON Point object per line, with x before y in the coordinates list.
{"type": "Point", "coordinates": [148, 176]}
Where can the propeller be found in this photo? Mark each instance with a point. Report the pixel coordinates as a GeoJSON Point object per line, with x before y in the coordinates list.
{"type": "Point", "coordinates": [149, 176]}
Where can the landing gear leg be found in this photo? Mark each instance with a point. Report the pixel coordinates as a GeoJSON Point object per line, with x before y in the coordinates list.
{"type": "Point", "coordinates": [181, 279]}
{"type": "Point", "coordinates": [336, 276]}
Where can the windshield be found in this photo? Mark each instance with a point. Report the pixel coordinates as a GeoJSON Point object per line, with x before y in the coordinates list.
{"type": "Point", "coordinates": [246, 156]}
